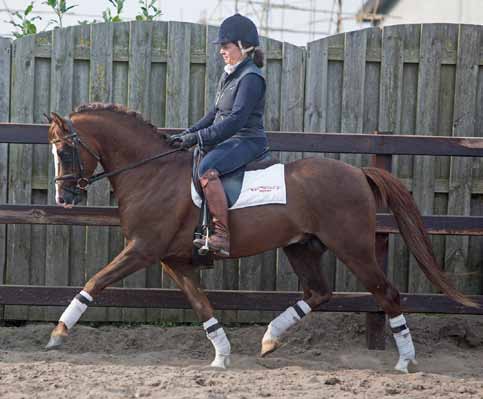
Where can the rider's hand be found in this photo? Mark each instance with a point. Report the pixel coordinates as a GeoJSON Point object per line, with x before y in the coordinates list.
{"type": "Point", "coordinates": [176, 137]}
{"type": "Point", "coordinates": [186, 141]}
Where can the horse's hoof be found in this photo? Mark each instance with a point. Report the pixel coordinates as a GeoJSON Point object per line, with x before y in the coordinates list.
{"type": "Point", "coordinates": [221, 361]}
{"type": "Point", "coordinates": [269, 346]}
{"type": "Point", "coordinates": [406, 366]}
{"type": "Point", "coordinates": [55, 342]}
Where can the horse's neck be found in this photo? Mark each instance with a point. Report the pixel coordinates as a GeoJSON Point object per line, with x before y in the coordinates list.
{"type": "Point", "coordinates": [120, 144]}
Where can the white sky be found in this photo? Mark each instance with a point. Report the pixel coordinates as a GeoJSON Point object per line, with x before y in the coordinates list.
{"type": "Point", "coordinates": [196, 10]}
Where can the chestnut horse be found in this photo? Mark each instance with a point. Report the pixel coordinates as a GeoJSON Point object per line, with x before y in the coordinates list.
{"type": "Point", "coordinates": [330, 205]}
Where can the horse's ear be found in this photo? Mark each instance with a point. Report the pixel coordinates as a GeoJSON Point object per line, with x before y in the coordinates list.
{"type": "Point", "coordinates": [49, 119]}
{"type": "Point", "coordinates": [57, 119]}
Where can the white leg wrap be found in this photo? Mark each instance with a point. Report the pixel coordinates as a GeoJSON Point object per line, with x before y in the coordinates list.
{"type": "Point", "coordinates": [285, 320]}
{"type": "Point", "coordinates": [404, 343]}
{"type": "Point", "coordinates": [218, 338]}
{"type": "Point", "coordinates": [74, 311]}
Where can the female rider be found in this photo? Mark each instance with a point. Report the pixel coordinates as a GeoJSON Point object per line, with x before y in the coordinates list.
{"type": "Point", "coordinates": [232, 133]}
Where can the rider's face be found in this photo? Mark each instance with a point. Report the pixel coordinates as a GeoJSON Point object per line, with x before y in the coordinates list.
{"type": "Point", "coordinates": [231, 53]}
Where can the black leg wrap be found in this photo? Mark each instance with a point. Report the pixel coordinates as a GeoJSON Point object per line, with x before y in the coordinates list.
{"type": "Point", "coordinates": [212, 328]}
{"type": "Point", "coordinates": [398, 329]}
{"type": "Point", "coordinates": [299, 311]}
{"type": "Point", "coordinates": [82, 299]}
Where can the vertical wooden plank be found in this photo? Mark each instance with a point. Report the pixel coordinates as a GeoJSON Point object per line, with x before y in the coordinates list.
{"type": "Point", "coordinates": [375, 322]}
{"type": "Point", "coordinates": [214, 66]}
{"type": "Point", "coordinates": [62, 70]}
{"type": "Point", "coordinates": [158, 74]}
{"type": "Point", "coordinates": [404, 164]}
{"type": "Point", "coordinates": [392, 59]}
{"type": "Point", "coordinates": [334, 111]}
{"type": "Point", "coordinates": [38, 245]}
{"type": "Point", "coordinates": [397, 115]}
{"type": "Point", "coordinates": [177, 104]}
{"type": "Point", "coordinates": [292, 93]}
{"type": "Point", "coordinates": [5, 61]}
{"type": "Point", "coordinates": [315, 110]}
{"type": "Point", "coordinates": [444, 128]}
{"type": "Point", "coordinates": [372, 83]}
{"type": "Point", "coordinates": [352, 118]}
{"type": "Point", "coordinates": [157, 111]}
{"type": "Point", "coordinates": [460, 181]}
{"type": "Point", "coordinates": [433, 40]}
{"type": "Point", "coordinates": [20, 169]}
{"type": "Point", "coordinates": [80, 95]}
{"type": "Point", "coordinates": [197, 74]}
{"type": "Point", "coordinates": [100, 89]}
{"type": "Point", "coordinates": [120, 81]}
{"type": "Point", "coordinates": [40, 181]}
{"type": "Point", "coordinates": [291, 119]}
{"type": "Point", "coordinates": [178, 68]}
{"type": "Point", "coordinates": [138, 99]}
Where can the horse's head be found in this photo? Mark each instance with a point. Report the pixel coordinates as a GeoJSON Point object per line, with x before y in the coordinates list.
{"type": "Point", "coordinates": [74, 159]}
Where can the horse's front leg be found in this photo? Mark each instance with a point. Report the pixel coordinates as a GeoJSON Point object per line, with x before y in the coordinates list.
{"type": "Point", "coordinates": [131, 259]}
{"type": "Point", "coordinates": [186, 279]}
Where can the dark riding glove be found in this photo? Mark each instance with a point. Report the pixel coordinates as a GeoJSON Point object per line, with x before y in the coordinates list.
{"type": "Point", "coordinates": [186, 141]}
{"type": "Point", "coordinates": [176, 137]}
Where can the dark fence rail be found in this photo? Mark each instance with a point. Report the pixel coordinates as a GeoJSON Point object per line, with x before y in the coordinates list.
{"type": "Point", "coordinates": [228, 300]}
{"type": "Point", "coordinates": [109, 216]}
{"type": "Point", "coordinates": [344, 143]}
{"type": "Point", "coordinates": [383, 146]}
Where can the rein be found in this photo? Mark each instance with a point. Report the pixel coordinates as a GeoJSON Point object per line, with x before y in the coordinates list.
{"type": "Point", "coordinates": [84, 182]}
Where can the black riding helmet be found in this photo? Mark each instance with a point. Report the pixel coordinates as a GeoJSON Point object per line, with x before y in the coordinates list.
{"type": "Point", "coordinates": [238, 28]}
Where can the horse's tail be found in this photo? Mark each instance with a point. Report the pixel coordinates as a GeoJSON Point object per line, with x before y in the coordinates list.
{"type": "Point", "coordinates": [388, 190]}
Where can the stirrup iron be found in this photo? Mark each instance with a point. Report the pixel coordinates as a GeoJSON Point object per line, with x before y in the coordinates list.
{"type": "Point", "coordinates": [205, 248]}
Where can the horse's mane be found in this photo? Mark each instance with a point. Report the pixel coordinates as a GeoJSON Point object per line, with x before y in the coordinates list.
{"type": "Point", "coordinates": [117, 108]}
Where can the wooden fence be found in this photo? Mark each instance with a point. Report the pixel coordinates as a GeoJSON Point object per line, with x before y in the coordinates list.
{"type": "Point", "coordinates": [411, 79]}
{"type": "Point", "coordinates": [383, 146]}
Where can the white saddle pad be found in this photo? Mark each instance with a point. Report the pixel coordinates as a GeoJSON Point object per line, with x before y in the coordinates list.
{"type": "Point", "coordinates": [259, 187]}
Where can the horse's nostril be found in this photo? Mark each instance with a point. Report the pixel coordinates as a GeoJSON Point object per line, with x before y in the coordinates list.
{"type": "Point", "coordinates": [61, 200]}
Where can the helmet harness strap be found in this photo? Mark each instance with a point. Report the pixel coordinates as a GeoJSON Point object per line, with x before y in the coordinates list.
{"type": "Point", "coordinates": [245, 50]}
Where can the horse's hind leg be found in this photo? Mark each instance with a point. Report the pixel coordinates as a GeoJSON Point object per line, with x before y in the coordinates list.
{"type": "Point", "coordinates": [357, 251]}
{"type": "Point", "coordinates": [186, 279]}
{"type": "Point", "coordinates": [305, 261]}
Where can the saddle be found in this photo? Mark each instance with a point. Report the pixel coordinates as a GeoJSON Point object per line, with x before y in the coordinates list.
{"type": "Point", "coordinates": [232, 184]}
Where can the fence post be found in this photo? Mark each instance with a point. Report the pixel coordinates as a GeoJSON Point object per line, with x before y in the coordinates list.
{"type": "Point", "coordinates": [376, 322]}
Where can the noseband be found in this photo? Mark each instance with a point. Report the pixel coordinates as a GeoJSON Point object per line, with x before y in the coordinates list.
{"type": "Point", "coordinates": [83, 182]}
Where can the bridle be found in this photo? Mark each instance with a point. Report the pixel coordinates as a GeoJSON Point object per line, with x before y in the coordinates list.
{"type": "Point", "coordinates": [83, 182]}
